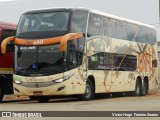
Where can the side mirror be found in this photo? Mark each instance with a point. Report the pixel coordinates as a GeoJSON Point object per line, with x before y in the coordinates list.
{"type": "Point", "coordinates": [69, 36]}
{"type": "Point", "coordinates": [4, 44]}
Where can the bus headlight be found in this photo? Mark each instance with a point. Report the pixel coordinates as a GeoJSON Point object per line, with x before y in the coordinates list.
{"type": "Point", "coordinates": [59, 80]}
{"type": "Point", "coordinates": [62, 79]}
{"type": "Point", "coordinates": [17, 82]}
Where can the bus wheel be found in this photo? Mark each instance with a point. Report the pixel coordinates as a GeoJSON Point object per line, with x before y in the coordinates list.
{"type": "Point", "coordinates": [42, 99]}
{"type": "Point", "coordinates": [144, 88]}
{"type": "Point", "coordinates": [89, 91]}
{"type": "Point", "coordinates": [138, 88]}
{"type": "Point", "coordinates": [1, 93]}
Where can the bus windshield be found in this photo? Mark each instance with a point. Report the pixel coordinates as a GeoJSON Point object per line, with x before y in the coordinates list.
{"type": "Point", "coordinates": [43, 24]}
{"type": "Point", "coordinates": [41, 60]}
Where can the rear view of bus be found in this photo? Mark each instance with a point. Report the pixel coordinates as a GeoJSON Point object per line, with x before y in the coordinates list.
{"type": "Point", "coordinates": [7, 29]}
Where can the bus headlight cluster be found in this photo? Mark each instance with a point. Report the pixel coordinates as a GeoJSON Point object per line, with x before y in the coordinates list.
{"type": "Point", "coordinates": [62, 79]}
{"type": "Point", "coordinates": [17, 82]}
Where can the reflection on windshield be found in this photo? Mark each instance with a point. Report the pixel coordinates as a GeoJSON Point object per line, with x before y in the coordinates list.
{"type": "Point", "coordinates": [37, 59]}
{"type": "Point", "coordinates": [40, 23]}
{"type": "Point", "coordinates": [44, 22]}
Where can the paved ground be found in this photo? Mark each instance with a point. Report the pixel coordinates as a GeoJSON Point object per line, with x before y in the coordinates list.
{"type": "Point", "coordinates": [122, 103]}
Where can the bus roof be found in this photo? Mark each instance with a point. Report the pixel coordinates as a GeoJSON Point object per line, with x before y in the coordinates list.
{"type": "Point", "coordinates": [8, 25]}
{"type": "Point", "coordinates": [89, 10]}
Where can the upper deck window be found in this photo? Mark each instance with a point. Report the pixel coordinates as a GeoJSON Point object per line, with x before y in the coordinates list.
{"type": "Point", "coordinates": [79, 21]}
{"type": "Point", "coordinates": [95, 25]}
{"type": "Point", "coordinates": [38, 24]}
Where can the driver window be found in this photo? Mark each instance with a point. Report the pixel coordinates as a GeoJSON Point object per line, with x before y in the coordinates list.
{"type": "Point", "coordinates": [72, 54]}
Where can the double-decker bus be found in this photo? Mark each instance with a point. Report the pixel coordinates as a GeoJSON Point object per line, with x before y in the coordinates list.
{"type": "Point", "coordinates": [76, 51]}
{"type": "Point", "coordinates": [6, 61]}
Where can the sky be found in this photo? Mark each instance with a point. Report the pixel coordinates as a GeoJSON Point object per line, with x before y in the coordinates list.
{"type": "Point", "coordinates": [145, 11]}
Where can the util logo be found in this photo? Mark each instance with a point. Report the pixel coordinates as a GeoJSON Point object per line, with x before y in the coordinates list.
{"type": "Point", "coordinates": [38, 42]}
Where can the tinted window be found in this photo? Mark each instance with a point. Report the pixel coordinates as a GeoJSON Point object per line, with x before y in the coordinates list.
{"type": "Point", "coordinates": [129, 63]}
{"type": "Point", "coordinates": [94, 25]}
{"type": "Point", "coordinates": [141, 36]}
{"type": "Point", "coordinates": [131, 31]}
{"type": "Point", "coordinates": [100, 61]}
{"type": "Point", "coordinates": [79, 21]}
{"type": "Point", "coordinates": [106, 61]}
{"type": "Point", "coordinates": [150, 36]}
{"type": "Point", "coordinates": [152, 39]}
{"type": "Point", "coordinates": [113, 29]}
{"type": "Point", "coordinates": [106, 27]}
{"type": "Point", "coordinates": [121, 30]}
{"type": "Point", "coordinates": [43, 24]}
{"type": "Point", "coordinates": [7, 33]}
{"type": "Point", "coordinates": [75, 53]}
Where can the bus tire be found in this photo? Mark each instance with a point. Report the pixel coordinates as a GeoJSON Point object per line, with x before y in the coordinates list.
{"type": "Point", "coordinates": [89, 91]}
{"type": "Point", "coordinates": [145, 88]}
{"type": "Point", "coordinates": [42, 99]}
{"type": "Point", "coordinates": [138, 88]}
{"type": "Point", "coordinates": [1, 93]}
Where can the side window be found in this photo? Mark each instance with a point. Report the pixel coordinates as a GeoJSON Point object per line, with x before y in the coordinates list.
{"type": "Point", "coordinates": [7, 33]}
{"type": "Point", "coordinates": [94, 25]}
{"type": "Point", "coordinates": [100, 61]}
{"type": "Point", "coordinates": [131, 31]}
{"type": "Point", "coordinates": [74, 54]}
{"type": "Point", "coordinates": [129, 63]}
{"type": "Point", "coordinates": [148, 36]}
{"type": "Point", "coordinates": [93, 62]}
{"type": "Point", "coordinates": [79, 21]}
{"type": "Point", "coordinates": [106, 27]}
{"type": "Point", "coordinates": [113, 29]}
{"type": "Point", "coordinates": [153, 36]}
{"type": "Point", "coordinates": [141, 36]}
{"type": "Point", "coordinates": [121, 30]}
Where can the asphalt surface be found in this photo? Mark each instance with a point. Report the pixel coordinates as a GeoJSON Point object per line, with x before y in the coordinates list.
{"type": "Point", "coordinates": [101, 103]}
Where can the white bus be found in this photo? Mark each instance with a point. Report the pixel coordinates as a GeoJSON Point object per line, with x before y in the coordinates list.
{"type": "Point", "coordinates": [76, 51]}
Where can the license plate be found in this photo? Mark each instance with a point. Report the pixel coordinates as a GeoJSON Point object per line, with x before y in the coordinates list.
{"type": "Point", "coordinates": [37, 93]}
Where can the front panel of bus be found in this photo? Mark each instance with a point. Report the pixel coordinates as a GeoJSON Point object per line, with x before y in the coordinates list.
{"type": "Point", "coordinates": [44, 69]}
